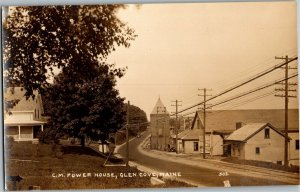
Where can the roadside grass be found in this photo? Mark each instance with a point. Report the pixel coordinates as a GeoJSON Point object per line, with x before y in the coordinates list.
{"type": "Point", "coordinates": [44, 162]}
{"type": "Point", "coordinates": [293, 169]}
{"type": "Point", "coordinates": [175, 183]}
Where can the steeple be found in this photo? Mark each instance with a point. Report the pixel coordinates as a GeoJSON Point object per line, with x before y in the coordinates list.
{"type": "Point", "coordinates": [159, 108]}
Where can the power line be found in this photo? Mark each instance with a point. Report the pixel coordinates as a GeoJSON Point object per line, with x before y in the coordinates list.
{"type": "Point", "coordinates": [241, 84]}
{"type": "Point", "coordinates": [286, 106]}
{"type": "Point", "coordinates": [249, 100]}
{"type": "Point", "coordinates": [242, 103]}
{"type": "Point", "coordinates": [247, 71]}
{"type": "Point", "coordinates": [248, 92]}
{"type": "Point", "coordinates": [254, 90]}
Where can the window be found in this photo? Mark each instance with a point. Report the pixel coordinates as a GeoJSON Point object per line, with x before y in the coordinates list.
{"type": "Point", "coordinates": [257, 150]}
{"type": "Point", "coordinates": [196, 146]}
{"type": "Point", "coordinates": [279, 162]}
{"type": "Point", "coordinates": [297, 144]}
{"type": "Point", "coordinates": [267, 133]}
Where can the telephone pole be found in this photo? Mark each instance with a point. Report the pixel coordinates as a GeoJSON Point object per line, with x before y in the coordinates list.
{"type": "Point", "coordinates": [286, 96]}
{"type": "Point", "coordinates": [127, 136]}
{"type": "Point", "coordinates": [176, 122]}
{"type": "Point", "coordinates": [204, 115]}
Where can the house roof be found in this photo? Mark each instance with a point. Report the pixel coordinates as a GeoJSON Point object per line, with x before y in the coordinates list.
{"type": "Point", "coordinates": [193, 134]}
{"type": "Point", "coordinates": [246, 132]}
{"type": "Point", "coordinates": [181, 134]}
{"type": "Point", "coordinates": [23, 104]}
{"type": "Point", "coordinates": [226, 119]}
{"type": "Point", "coordinates": [159, 108]}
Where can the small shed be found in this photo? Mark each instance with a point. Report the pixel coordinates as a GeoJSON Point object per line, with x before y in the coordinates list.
{"type": "Point", "coordinates": [106, 147]}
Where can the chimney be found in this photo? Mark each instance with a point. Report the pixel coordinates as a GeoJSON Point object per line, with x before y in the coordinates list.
{"type": "Point", "coordinates": [238, 125]}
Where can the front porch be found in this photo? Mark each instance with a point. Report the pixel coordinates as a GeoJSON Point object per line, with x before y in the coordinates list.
{"type": "Point", "coordinates": [25, 131]}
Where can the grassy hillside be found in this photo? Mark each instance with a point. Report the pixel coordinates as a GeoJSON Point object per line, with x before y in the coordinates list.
{"type": "Point", "coordinates": [69, 167]}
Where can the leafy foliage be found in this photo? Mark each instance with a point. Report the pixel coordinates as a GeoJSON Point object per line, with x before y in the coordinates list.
{"type": "Point", "coordinates": [138, 123]}
{"type": "Point", "coordinates": [85, 108]}
{"type": "Point", "coordinates": [138, 120]}
{"type": "Point", "coordinates": [37, 40]}
{"type": "Point", "coordinates": [76, 40]}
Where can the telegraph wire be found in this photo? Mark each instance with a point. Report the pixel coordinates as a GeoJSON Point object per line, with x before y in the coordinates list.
{"type": "Point", "coordinates": [254, 68]}
{"type": "Point", "coordinates": [243, 83]}
{"type": "Point", "coordinates": [255, 90]}
{"type": "Point", "coordinates": [248, 92]}
{"type": "Point", "coordinates": [241, 103]}
{"type": "Point", "coordinates": [246, 101]}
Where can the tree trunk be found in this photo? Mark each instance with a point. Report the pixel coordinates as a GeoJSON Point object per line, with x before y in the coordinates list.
{"type": "Point", "coordinates": [82, 141]}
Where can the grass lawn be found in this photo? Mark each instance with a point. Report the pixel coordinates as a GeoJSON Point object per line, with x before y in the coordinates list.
{"type": "Point", "coordinates": [70, 167]}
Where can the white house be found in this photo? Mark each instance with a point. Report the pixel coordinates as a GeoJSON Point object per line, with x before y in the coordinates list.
{"type": "Point", "coordinates": [293, 146]}
{"type": "Point", "coordinates": [257, 141]}
{"type": "Point", "coordinates": [221, 123]}
{"type": "Point", "coordinates": [192, 142]}
{"type": "Point", "coordinates": [24, 120]}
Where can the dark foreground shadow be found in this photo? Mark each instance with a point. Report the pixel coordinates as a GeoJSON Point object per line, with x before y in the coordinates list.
{"type": "Point", "coordinates": [78, 150]}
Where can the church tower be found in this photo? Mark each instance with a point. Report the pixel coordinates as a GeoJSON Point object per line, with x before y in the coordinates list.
{"type": "Point", "coordinates": [160, 127]}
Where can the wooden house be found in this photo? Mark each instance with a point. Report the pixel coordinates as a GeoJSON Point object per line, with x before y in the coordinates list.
{"type": "Point", "coordinates": [257, 141]}
{"type": "Point", "coordinates": [23, 121]}
{"type": "Point", "coordinates": [221, 123]}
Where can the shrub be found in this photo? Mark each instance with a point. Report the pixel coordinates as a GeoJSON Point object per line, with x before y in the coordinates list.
{"type": "Point", "coordinates": [9, 142]}
{"type": "Point", "coordinates": [49, 136]}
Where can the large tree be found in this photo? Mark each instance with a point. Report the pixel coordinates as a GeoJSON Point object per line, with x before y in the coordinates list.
{"type": "Point", "coordinates": [137, 120]}
{"type": "Point", "coordinates": [137, 123]}
{"type": "Point", "coordinates": [91, 108]}
{"type": "Point", "coordinates": [39, 39]}
{"type": "Point", "coordinates": [76, 40]}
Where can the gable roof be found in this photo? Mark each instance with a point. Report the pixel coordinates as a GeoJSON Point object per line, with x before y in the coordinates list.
{"type": "Point", "coordinates": [217, 120]}
{"type": "Point", "coordinates": [181, 134]}
{"type": "Point", "coordinates": [246, 132]}
{"type": "Point", "coordinates": [24, 104]}
{"type": "Point", "coordinates": [159, 108]}
{"type": "Point", "coordinates": [193, 134]}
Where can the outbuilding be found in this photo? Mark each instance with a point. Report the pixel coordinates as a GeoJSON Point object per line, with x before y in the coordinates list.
{"type": "Point", "coordinates": [257, 141]}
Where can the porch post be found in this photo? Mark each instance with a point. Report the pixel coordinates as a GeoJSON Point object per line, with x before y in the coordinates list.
{"type": "Point", "coordinates": [42, 127]}
{"type": "Point", "coordinates": [19, 127]}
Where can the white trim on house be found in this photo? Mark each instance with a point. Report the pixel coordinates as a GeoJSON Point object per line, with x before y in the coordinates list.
{"type": "Point", "coordinates": [28, 111]}
{"type": "Point", "coordinates": [23, 122]}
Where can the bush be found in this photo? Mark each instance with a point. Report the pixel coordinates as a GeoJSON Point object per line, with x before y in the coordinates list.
{"type": "Point", "coordinates": [49, 136]}
{"type": "Point", "coordinates": [9, 142]}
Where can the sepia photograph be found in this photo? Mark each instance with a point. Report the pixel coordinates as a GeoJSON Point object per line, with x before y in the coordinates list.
{"type": "Point", "coordinates": [156, 96]}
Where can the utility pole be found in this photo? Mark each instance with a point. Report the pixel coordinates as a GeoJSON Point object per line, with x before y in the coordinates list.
{"type": "Point", "coordinates": [204, 115]}
{"type": "Point", "coordinates": [176, 123]}
{"type": "Point", "coordinates": [127, 136]}
{"type": "Point", "coordinates": [286, 105]}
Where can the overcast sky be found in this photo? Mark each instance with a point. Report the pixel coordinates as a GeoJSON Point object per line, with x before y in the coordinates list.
{"type": "Point", "coordinates": [183, 47]}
